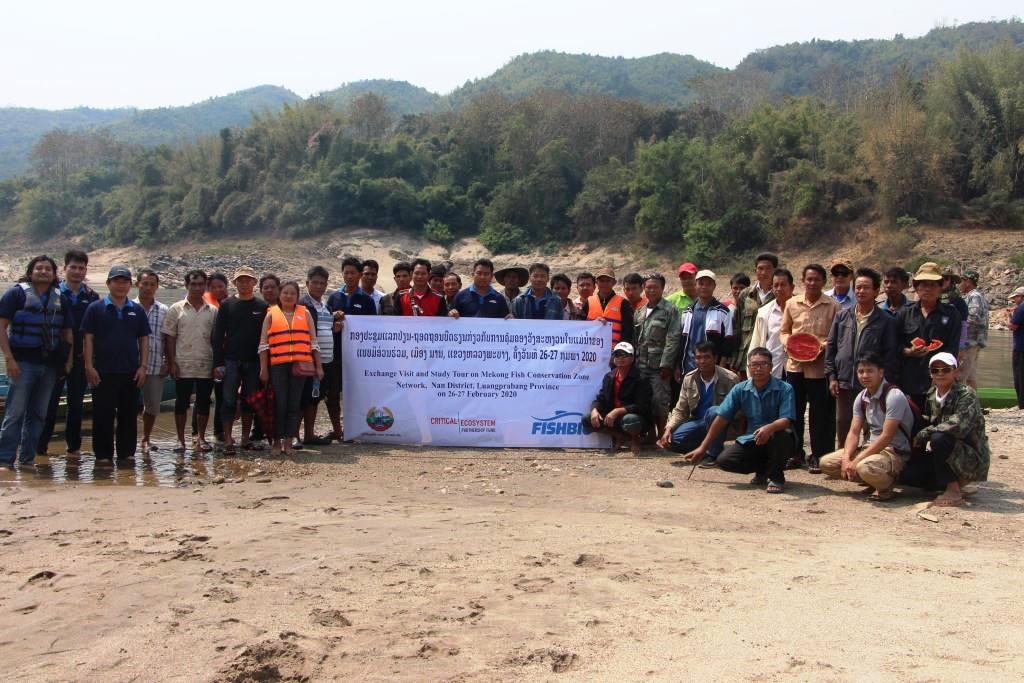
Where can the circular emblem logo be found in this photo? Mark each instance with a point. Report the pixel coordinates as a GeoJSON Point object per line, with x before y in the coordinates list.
{"type": "Point", "coordinates": [380, 419]}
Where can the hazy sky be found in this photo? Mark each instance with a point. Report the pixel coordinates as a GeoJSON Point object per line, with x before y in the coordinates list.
{"type": "Point", "coordinates": [106, 53]}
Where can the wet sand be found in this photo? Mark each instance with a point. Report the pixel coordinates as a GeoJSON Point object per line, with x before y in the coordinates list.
{"type": "Point", "coordinates": [372, 563]}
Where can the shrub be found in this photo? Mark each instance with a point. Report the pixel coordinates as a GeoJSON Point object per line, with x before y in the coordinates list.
{"type": "Point", "coordinates": [439, 232]}
{"type": "Point", "coordinates": [503, 237]}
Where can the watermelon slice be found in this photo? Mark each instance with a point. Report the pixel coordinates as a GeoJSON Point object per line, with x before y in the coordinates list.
{"type": "Point", "coordinates": [935, 345]}
{"type": "Point", "coordinates": [803, 347]}
{"type": "Point", "coordinates": [918, 343]}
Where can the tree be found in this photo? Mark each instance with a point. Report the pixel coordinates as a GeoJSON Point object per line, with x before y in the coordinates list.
{"type": "Point", "coordinates": [368, 117]}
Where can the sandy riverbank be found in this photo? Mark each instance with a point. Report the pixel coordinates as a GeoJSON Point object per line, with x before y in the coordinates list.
{"type": "Point", "coordinates": [367, 563]}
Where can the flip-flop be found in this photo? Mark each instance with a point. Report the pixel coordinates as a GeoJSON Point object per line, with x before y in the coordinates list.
{"type": "Point", "coordinates": [251, 446]}
{"type": "Point", "coordinates": [205, 447]}
{"type": "Point", "coordinates": [882, 496]}
{"type": "Point", "coordinates": [179, 449]}
{"type": "Point", "coordinates": [775, 487]}
{"type": "Point", "coordinates": [230, 450]}
{"type": "Point", "coordinates": [941, 502]}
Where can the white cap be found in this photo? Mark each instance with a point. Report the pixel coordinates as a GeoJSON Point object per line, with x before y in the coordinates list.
{"type": "Point", "coordinates": [1017, 292]}
{"type": "Point", "coordinates": [943, 357]}
{"type": "Point", "coordinates": [706, 273]}
{"type": "Point", "coordinates": [624, 346]}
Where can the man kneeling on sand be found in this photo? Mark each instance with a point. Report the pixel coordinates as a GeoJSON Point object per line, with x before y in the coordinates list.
{"type": "Point", "coordinates": [768, 404]}
{"type": "Point", "coordinates": [890, 421]}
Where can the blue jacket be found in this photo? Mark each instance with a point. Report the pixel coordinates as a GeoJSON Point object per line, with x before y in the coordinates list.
{"type": "Point", "coordinates": [528, 307]}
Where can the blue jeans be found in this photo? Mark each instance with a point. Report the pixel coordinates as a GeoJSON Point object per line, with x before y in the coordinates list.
{"type": "Point", "coordinates": [689, 435]}
{"type": "Point", "coordinates": [27, 402]}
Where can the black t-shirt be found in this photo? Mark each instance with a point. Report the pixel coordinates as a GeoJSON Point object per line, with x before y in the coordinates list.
{"type": "Point", "coordinates": [236, 332]}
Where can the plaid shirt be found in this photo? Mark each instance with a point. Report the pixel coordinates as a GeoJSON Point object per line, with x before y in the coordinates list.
{"type": "Point", "coordinates": [156, 314]}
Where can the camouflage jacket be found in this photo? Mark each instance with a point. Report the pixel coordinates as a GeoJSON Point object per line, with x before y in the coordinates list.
{"type": "Point", "coordinates": [747, 305]}
{"type": "Point", "coordinates": [960, 417]}
{"type": "Point", "coordinates": [656, 336]}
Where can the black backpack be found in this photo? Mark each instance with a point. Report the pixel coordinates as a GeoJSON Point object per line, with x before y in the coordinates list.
{"type": "Point", "coordinates": [919, 421]}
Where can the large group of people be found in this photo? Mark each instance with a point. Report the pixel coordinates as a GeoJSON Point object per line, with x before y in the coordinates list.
{"type": "Point", "coordinates": [881, 383]}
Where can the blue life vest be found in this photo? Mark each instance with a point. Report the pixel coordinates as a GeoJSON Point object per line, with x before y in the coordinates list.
{"type": "Point", "coordinates": [35, 327]}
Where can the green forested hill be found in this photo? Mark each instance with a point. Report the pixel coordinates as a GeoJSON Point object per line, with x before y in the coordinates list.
{"type": "Point", "coordinates": [834, 70]}
{"type": "Point", "coordinates": [837, 69]}
{"type": "Point", "coordinates": [21, 128]}
{"type": "Point", "coordinates": [170, 124]}
{"type": "Point", "coordinates": [401, 97]}
{"type": "Point", "coordinates": [660, 79]}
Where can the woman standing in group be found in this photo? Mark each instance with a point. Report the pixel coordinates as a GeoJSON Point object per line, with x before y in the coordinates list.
{"type": "Point", "coordinates": [289, 354]}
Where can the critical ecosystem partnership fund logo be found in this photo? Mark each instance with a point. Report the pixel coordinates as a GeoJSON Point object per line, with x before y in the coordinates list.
{"type": "Point", "coordinates": [561, 423]}
{"type": "Point", "coordinates": [380, 419]}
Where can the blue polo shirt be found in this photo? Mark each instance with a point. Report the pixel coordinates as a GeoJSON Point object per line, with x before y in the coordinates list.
{"type": "Point", "coordinates": [470, 304]}
{"type": "Point", "coordinates": [1018, 334]}
{"type": "Point", "coordinates": [78, 303]}
{"type": "Point", "coordinates": [760, 407]}
{"type": "Point", "coordinates": [116, 333]}
{"type": "Point", "coordinates": [358, 303]}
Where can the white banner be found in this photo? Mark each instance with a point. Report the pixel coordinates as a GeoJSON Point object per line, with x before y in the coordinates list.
{"type": "Point", "coordinates": [472, 382]}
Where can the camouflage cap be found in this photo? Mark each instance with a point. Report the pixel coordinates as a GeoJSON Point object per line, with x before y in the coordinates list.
{"type": "Point", "coordinates": [972, 275]}
{"type": "Point", "coordinates": [953, 276]}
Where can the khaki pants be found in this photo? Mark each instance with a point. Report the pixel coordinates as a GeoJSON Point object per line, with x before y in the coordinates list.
{"type": "Point", "coordinates": [879, 471]}
{"type": "Point", "coordinates": [969, 365]}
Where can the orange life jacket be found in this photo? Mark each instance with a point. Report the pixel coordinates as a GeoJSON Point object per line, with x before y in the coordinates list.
{"type": "Point", "coordinates": [289, 343]}
{"type": "Point", "coordinates": [612, 313]}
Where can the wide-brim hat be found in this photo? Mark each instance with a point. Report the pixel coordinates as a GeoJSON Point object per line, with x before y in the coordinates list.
{"type": "Point", "coordinates": [928, 272]}
{"type": "Point", "coordinates": [522, 273]}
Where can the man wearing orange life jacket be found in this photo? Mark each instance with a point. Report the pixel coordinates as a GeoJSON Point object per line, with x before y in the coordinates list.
{"type": "Point", "coordinates": [605, 304]}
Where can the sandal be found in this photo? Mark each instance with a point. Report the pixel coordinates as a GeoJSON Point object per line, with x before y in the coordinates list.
{"type": "Point", "coordinates": [252, 446]}
{"type": "Point", "coordinates": [882, 496]}
{"type": "Point", "coordinates": [775, 487]}
{"type": "Point", "coordinates": [759, 480]}
{"type": "Point", "coordinates": [202, 445]}
{"type": "Point", "coordinates": [941, 502]}
{"type": "Point", "coordinates": [230, 449]}
{"type": "Point", "coordinates": [179, 448]}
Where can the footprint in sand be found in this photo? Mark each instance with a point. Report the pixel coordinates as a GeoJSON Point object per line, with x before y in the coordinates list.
{"type": "Point", "coordinates": [220, 595]}
{"type": "Point", "coordinates": [329, 617]}
{"type": "Point", "coordinates": [533, 585]}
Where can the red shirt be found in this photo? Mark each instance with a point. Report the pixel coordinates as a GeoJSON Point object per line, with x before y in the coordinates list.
{"type": "Point", "coordinates": [429, 302]}
{"type": "Point", "coordinates": [615, 392]}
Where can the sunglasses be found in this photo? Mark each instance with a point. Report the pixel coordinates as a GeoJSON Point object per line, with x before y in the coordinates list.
{"type": "Point", "coordinates": [940, 370]}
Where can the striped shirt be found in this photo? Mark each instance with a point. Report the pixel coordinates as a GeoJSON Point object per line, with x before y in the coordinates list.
{"type": "Point", "coordinates": [324, 328]}
{"type": "Point", "coordinates": [156, 314]}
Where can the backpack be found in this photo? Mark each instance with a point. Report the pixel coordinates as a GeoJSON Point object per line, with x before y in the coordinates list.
{"type": "Point", "coordinates": [919, 422]}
